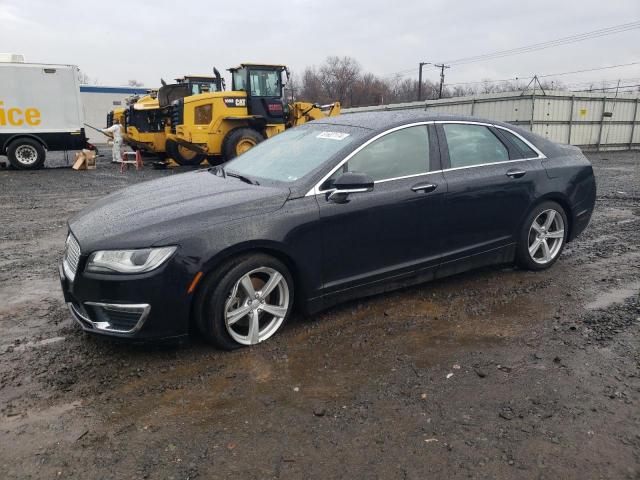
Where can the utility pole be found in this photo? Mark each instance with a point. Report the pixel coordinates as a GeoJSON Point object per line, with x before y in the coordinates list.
{"type": "Point", "coordinates": [420, 65]}
{"type": "Point", "coordinates": [441, 67]}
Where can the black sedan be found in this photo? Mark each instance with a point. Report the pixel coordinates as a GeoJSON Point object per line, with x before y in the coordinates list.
{"type": "Point", "coordinates": [335, 209]}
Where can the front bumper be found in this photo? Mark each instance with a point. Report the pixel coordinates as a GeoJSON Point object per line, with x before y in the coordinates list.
{"type": "Point", "coordinates": [144, 307]}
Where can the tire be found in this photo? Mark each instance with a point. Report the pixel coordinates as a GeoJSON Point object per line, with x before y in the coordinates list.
{"type": "Point", "coordinates": [223, 292]}
{"type": "Point", "coordinates": [541, 243]}
{"type": "Point", "coordinates": [182, 155]}
{"type": "Point", "coordinates": [26, 154]}
{"type": "Point", "coordinates": [239, 141]}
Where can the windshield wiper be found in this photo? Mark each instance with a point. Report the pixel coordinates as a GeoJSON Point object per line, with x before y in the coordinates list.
{"type": "Point", "coordinates": [241, 177]}
{"type": "Point", "coordinates": [218, 169]}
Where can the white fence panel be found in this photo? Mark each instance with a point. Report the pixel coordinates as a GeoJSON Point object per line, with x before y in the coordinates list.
{"type": "Point", "coordinates": [601, 121]}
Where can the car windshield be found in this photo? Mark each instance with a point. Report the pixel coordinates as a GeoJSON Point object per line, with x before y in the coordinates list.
{"type": "Point", "coordinates": [295, 153]}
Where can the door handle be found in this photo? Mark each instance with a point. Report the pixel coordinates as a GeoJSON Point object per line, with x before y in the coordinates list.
{"type": "Point", "coordinates": [515, 173]}
{"type": "Point", "coordinates": [424, 187]}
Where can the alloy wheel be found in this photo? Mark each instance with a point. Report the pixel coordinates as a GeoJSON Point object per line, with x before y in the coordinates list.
{"type": "Point", "coordinates": [546, 236]}
{"type": "Point", "coordinates": [257, 305]}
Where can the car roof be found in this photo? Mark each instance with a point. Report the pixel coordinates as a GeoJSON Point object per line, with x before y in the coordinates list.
{"type": "Point", "coordinates": [381, 120]}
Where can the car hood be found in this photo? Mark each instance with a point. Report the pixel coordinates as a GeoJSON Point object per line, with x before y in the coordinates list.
{"type": "Point", "coordinates": [169, 208]}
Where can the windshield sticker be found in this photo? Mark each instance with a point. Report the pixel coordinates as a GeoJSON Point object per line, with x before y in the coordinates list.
{"type": "Point", "coordinates": [333, 135]}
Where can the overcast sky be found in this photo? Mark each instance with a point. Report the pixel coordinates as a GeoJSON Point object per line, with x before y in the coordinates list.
{"type": "Point", "coordinates": [114, 41]}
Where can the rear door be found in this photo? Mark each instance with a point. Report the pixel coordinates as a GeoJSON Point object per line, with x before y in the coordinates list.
{"type": "Point", "coordinates": [490, 188]}
{"type": "Point", "coordinates": [394, 229]}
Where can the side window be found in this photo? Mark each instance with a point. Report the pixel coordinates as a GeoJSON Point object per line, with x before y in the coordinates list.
{"type": "Point", "coordinates": [525, 149]}
{"type": "Point", "coordinates": [473, 145]}
{"type": "Point", "coordinates": [239, 79]}
{"type": "Point", "coordinates": [397, 154]}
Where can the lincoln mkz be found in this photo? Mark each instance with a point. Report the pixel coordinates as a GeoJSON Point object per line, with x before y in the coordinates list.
{"type": "Point", "coordinates": [338, 208]}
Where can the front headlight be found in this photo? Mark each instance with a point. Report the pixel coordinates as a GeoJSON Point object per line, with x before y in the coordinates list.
{"type": "Point", "coordinates": [128, 261]}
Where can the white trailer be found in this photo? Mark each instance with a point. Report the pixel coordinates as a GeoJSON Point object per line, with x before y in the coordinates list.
{"type": "Point", "coordinates": [40, 111]}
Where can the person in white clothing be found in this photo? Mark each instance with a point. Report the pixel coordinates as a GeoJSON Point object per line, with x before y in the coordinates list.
{"type": "Point", "coordinates": [116, 132]}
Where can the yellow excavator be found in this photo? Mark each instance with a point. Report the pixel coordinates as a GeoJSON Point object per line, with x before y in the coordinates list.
{"type": "Point", "coordinates": [221, 125]}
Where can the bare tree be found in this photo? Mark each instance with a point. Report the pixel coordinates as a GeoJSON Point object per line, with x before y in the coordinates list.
{"type": "Point", "coordinates": [293, 89]}
{"type": "Point", "coordinates": [135, 83]}
{"type": "Point", "coordinates": [83, 78]}
{"type": "Point", "coordinates": [342, 79]}
{"type": "Point", "coordinates": [311, 88]}
{"type": "Point", "coordinates": [338, 76]}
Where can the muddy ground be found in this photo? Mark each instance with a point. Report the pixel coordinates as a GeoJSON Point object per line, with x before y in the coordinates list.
{"type": "Point", "coordinates": [498, 373]}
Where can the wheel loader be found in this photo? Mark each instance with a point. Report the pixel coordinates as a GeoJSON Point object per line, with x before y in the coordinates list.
{"type": "Point", "coordinates": [146, 119]}
{"type": "Point", "coordinates": [115, 114]}
{"type": "Point", "coordinates": [221, 125]}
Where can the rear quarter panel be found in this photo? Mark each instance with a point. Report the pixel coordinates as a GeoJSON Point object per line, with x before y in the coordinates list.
{"type": "Point", "coordinates": [570, 176]}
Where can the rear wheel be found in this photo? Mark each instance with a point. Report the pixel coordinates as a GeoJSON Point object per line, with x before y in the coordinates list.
{"type": "Point", "coordinates": [183, 155]}
{"type": "Point", "coordinates": [244, 302]}
{"type": "Point", "coordinates": [239, 141]}
{"type": "Point", "coordinates": [26, 154]}
{"type": "Point", "coordinates": [542, 237]}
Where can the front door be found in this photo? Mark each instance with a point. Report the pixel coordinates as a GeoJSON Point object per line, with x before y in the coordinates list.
{"type": "Point", "coordinates": [265, 95]}
{"type": "Point", "coordinates": [392, 230]}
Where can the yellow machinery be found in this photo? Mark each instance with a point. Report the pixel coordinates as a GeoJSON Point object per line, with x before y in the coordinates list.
{"type": "Point", "coordinates": [146, 119]}
{"type": "Point", "coordinates": [115, 114]}
{"type": "Point", "coordinates": [144, 124]}
{"type": "Point", "coordinates": [223, 125]}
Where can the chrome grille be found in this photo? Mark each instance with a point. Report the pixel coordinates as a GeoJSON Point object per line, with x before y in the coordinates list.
{"type": "Point", "coordinates": [71, 257]}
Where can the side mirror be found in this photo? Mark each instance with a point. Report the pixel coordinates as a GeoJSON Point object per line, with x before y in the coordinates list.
{"type": "Point", "coordinates": [350, 182]}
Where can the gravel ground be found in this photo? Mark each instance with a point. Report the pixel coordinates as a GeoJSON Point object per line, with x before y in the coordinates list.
{"type": "Point", "coordinates": [497, 373]}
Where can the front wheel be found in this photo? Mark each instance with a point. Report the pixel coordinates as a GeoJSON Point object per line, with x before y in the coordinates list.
{"type": "Point", "coordinates": [26, 154]}
{"type": "Point", "coordinates": [542, 237]}
{"type": "Point", "coordinates": [245, 301]}
{"type": "Point", "coordinates": [183, 155]}
{"type": "Point", "coordinates": [239, 141]}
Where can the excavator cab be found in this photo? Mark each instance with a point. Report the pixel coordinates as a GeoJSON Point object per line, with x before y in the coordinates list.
{"type": "Point", "coordinates": [189, 85]}
{"type": "Point", "coordinates": [263, 86]}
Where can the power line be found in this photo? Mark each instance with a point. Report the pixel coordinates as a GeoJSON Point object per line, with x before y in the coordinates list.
{"type": "Point", "coordinates": [534, 47]}
{"type": "Point", "coordinates": [595, 89]}
{"type": "Point", "coordinates": [549, 44]}
{"type": "Point", "coordinates": [529, 77]}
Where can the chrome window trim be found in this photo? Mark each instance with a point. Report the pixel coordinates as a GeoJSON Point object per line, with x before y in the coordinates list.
{"type": "Point", "coordinates": [527, 142]}
{"type": "Point", "coordinates": [405, 176]}
{"type": "Point", "coordinates": [316, 189]}
{"type": "Point", "coordinates": [486, 164]}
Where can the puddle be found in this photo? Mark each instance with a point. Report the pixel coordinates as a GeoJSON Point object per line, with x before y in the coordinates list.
{"type": "Point", "coordinates": [617, 295]}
